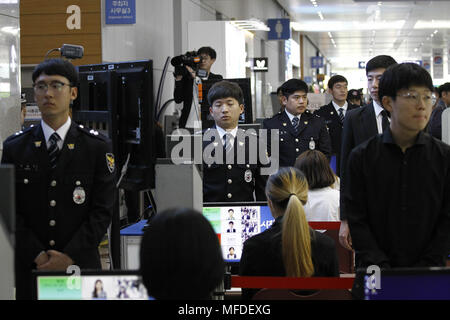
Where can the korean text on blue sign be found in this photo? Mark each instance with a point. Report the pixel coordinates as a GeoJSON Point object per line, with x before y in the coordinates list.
{"type": "Point", "coordinates": [316, 62]}
{"type": "Point", "coordinates": [120, 11]}
{"type": "Point", "coordinates": [280, 29]}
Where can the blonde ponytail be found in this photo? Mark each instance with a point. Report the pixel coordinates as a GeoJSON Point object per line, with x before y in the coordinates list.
{"type": "Point", "coordinates": [288, 191]}
{"type": "Point", "coordinates": [296, 241]}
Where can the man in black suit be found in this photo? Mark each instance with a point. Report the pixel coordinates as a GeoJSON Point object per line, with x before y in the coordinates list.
{"type": "Point", "coordinates": [231, 157]}
{"type": "Point", "coordinates": [299, 129]}
{"type": "Point", "coordinates": [360, 125]}
{"type": "Point", "coordinates": [184, 86]}
{"type": "Point", "coordinates": [435, 125]}
{"type": "Point", "coordinates": [334, 113]}
{"type": "Point", "coordinates": [64, 182]}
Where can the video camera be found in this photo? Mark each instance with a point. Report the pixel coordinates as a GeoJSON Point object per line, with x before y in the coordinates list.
{"type": "Point", "coordinates": [190, 58]}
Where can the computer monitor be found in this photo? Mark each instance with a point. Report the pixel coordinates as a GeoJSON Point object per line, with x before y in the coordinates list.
{"type": "Point", "coordinates": [236, 222]}
{"type": "Point", "coordinates": [403, 284]}
{"type": "Point", "coordinates": [244, 84]}
{"type": "Point", "coordinates": [8, 201]}
{"type": "Point", "coordinates": [112, 285]}
{"type": "Point", "coordinates": [121, 96]}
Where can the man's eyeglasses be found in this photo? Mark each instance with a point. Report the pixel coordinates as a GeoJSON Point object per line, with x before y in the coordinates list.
{"type": "Point", "coordinates": [414, 97]}
{"type": "Point", "coordinates": [56, 86]}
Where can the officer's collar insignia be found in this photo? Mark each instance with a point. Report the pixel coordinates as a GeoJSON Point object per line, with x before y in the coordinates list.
{"type": "Point", "coordinates": [37, 143]}
{"type": "Point", "coordinates": [331, 112]}
{"type": "Point", "coordinates": [284, 124]}
{"type": "Point", "coordinates": [306, 122]}
{"type": "Point", "coordinates": [110, 162]}
{"type": "Point", "coordinates": [71, 146]}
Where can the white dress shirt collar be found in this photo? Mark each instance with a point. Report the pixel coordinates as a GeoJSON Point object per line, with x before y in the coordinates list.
{"type": "Point", "coordinates": [62, 132]}
{"type": "Point", "coordinates": [377, 108]}
{"type": "Point", "coordinates": [291, 116]}
{"type": "Point", "coordinates": [337, 107]}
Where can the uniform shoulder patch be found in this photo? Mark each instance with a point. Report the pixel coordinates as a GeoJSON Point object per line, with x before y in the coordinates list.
{"type": "Point", "coordinates": [18, 134]}
{"type": "Point", "coordinates": [92, 132]}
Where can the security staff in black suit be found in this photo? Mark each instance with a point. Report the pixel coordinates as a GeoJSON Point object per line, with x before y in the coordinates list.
{"type": "Point", "coordinates": [64, 182]}
{"type": "Point", "coordinates": [231, 161]}
{"type": "Point", "coordinates": [299, 129]}
{"type": "Point", "coordinates": [334, 113]}
{"type": "Point", "coordinates": [184, 81]}
{"type": "Point", "coordinates": [360, 125]}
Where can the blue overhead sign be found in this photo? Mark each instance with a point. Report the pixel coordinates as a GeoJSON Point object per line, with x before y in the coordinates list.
{"type": "Point", "coordinates": [316, 62]}
{"type": "Point", "coordinates": [280, 29]}
{"type": "Point", "coordinates": [120, 11]}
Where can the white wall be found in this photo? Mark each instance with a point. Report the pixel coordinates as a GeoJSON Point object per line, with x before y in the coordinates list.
{"type": "Point", "coordinates": [150, 38]}
{"type": "Point", "coordinates": [9, 71]}
{"type": "Point", "coordinates": [9, 121]}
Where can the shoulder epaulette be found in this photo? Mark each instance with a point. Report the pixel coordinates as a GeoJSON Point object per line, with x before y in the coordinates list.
{"type": "Point", "coordinates": [19, 133]}
{"type": "Point", "coordinates": [91, 132]}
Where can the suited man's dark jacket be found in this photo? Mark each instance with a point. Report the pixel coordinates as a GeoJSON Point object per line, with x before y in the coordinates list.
{"type": "Point", "coordinates": [360, 124]}
{"type": "Point", "coordinates": [48, 216]}
{"type": "Point", "coordinates": [334, 124]}
{"type": "Point", "coordinates": [233, 181]}
{"type": "Point", "coordinates": [312, 128]}
{"type": "Point", "coordinates": [183, 94]}
{"type": "Point", "coordinates": [434, 126]}
{"type": "Point", "coordinates": [262, 255]}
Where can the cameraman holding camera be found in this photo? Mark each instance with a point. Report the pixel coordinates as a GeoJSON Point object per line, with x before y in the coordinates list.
{"type": "Point", "coordinates": [185, 73]}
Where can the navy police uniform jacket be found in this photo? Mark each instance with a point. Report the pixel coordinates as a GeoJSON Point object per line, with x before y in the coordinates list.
{"type": "Point", "coordinates": [67, 209]}
{"type": "Point", "coordinates": [235, 180]}
{"type": "Point", "coordinates": [312, 134]}
{"type": "Point", "coordinates": [335, 126]}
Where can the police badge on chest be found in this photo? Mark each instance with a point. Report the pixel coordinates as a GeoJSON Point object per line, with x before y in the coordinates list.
{"type": "Point", "coordinates": [79, 196]}
{"type": "Point", "coordinates": [248, 176]}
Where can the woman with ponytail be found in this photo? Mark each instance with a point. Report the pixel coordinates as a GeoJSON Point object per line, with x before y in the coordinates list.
{"type": "Point", "coordinates": [289, 247]}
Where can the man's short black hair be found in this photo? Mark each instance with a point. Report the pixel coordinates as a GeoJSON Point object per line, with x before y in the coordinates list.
{"type": "Point", "coordinates": [335, 79]}
{"type": "Point", "coordinates": [381, 61]}
{"type": "Point", "coordinates": [403, 76]}
{"type": "Point", "coordinates": [293, 85]}
{"type": "Point", "coordinates": [207, 50]}
{"type": "Point", "coordinates": [59, 67]}
{"type": "Point", "coordinates": [225, 89]}
{"type": "Point", "coordinates": [444, 88]}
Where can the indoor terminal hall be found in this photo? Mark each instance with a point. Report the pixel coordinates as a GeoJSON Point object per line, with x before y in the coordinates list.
{"type": "Point", "coordinates": [243, 151]}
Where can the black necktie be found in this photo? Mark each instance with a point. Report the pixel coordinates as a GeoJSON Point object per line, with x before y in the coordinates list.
{"type": "Point", "coordinates": [53, 150]}
{"type": "Point", "coordinates": [295, 123]}
{"type": "Point", "coordinates": [341, 114]}
{"type": "Point", "coordinates": [385, 120]}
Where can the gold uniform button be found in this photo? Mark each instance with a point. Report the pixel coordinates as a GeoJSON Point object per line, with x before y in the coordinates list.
{"type": "Point", "coordinates": [229, 195]}
{"type": "Point", "coordinates": [296, 149]}
{"type": "Point", "coordinates": [296, 140]}
{"type": "Point", "coordinates": [52, 243]}
{"type": "Point", "coordinates": [52, 203]}
{"type": "Point", "coordinates": [230, 166]}
{"type": "Point", "coordinates": [230, 181]}
{"type": "Point", "coordinates": [25, 181]}
{"type": "Point", "coordinates": [53, 183]}
{"type": "Point", "coordinates": [78, 183]}
{"type": "Point", "coordinates": [52, 223]}
{"type": "Point", "coordinates": [281, 139]}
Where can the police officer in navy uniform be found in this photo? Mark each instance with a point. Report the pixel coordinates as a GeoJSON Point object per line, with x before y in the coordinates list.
{"type": "Point", "coordinates": [231, 161]}
{"type": "Point", "coordinates": [64, 182]}
{"type": "Point", "coordinates": [334, 114]}
{"type": "Point", "coordinates": [299, 129]}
